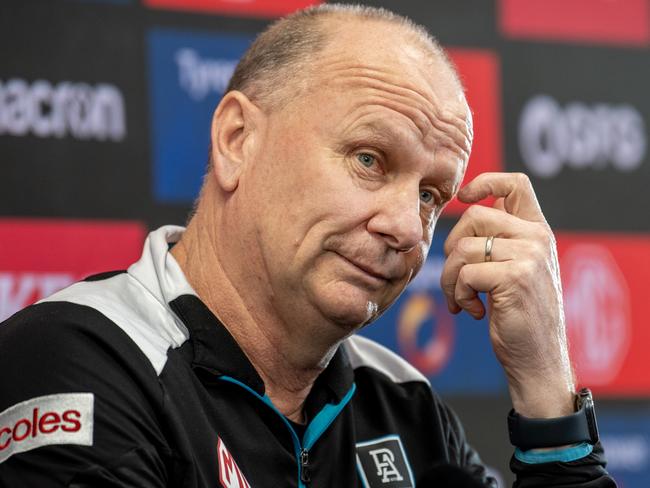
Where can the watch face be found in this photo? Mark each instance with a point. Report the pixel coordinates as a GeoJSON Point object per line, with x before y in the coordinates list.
{"type": "Point", "coordinates": [586, 401]}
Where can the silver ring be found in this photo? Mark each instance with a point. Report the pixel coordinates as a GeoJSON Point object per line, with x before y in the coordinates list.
{"type": "Point", "coordinates": [488, 248]}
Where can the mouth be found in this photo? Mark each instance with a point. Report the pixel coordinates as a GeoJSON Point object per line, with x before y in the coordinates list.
{"type": "Point", "coordinates": [367, 270]}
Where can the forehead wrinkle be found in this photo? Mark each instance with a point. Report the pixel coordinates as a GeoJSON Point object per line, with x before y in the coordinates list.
{"type": "Point", "coordinates": [367, 128]}
{"type": "Point", "coordinates": [432, 131]}
{"type": "Point", "coordinates": [426, 114]}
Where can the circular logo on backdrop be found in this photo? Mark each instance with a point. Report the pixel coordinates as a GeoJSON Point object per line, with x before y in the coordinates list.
{"type": "Point", "coordinates": [425, 333]}
{"type": "Point", "coordinates": [597, 312]}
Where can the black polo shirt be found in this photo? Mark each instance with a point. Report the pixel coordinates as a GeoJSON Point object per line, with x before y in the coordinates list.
{"type": "Point", "coordinates": [128, 380]}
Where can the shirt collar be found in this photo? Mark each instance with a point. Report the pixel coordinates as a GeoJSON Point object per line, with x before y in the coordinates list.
{"type": "Point", "coordinates": [216, 350]}
{"type": "Point", "coordinates": [213, 347]}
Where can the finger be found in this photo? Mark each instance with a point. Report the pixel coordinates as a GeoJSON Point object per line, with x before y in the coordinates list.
{"type": "Point", "coordinates": [515, 188]}
{"type": "Point", "coordinates": [499, 204]}
{"type": "Point", "coordinates": [473, 279]}
{"type": "Point", "coordinates": [472, 250]}
{"type": "Point", "coordinates": [465, 296]}
{"type": "Point", "coordinates": [478, 220]}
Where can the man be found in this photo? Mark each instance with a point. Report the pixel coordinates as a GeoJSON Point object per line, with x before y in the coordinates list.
{"type": "Point", "coordinates": [229, 359]}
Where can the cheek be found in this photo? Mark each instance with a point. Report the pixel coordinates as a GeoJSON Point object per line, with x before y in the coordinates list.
{"type": "Point", "coordinates": [416, 259]}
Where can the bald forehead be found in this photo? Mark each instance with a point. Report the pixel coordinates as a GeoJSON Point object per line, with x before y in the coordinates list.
{"type": "Point", "coordinates": [377, 38]}
{"type": "Point", "coordinates": [392, 57]}
{"type": "Point", "coordinates": [373, 63]}
{"type": "Point", "coordinates": [386, 45]}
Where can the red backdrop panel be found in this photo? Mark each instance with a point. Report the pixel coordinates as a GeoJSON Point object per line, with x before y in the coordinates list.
{"type": "Point", "coordinates": [255, 8]}
{"type": "Point", "coordinates": [480, 72]}
{"type": "Point", "coordinates": [604, 21]}
{"type": "Point", "coordinates": [605, 280]}
{"type": "Point", "coordinates": [39, 257]}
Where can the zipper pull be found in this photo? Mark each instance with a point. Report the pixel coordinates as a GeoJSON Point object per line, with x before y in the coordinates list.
{"type": "Point", "coordinates": [304, 466]}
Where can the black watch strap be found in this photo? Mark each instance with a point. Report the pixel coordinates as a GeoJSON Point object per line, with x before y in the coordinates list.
{"type": "Point", "coordinates": [527, 433]}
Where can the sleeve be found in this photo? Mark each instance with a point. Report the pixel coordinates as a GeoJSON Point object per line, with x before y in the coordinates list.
{"type": "Point", "coordinates": [77, 403]}
{"type": "Point", "coordinates": [586, 472]}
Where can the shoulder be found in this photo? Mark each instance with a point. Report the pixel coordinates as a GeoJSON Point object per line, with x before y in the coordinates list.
{"type": "Point", "coordinates": [55, 347]}
{"type": "Point", "coordinates": [366, 353]}
{"type": "Point", "coordinates": [79, 385]}
{"type": "Point", "coordinates": [96, 334]}
{"type": "Point", "coordinates": [52, 326]}
{"type": "Point", "coordinates": [127, 307]}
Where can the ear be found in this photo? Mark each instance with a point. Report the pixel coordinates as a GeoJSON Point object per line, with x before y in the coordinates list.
{"type": "Point", "coordinates": [234, 124]}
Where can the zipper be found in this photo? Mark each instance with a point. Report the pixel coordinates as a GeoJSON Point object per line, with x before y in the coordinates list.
{"type": "Point", "coordinates": [305, 476]}
{"type": "Point", "coordinates": [311, 436]}
{"type": "Point", "coordinates": [299, 450]}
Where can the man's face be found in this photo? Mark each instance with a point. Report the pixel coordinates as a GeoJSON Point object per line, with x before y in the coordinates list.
{"type": "Point", "coordinates": [349, 180]}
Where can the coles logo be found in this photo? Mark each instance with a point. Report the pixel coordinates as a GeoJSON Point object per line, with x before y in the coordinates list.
{"type": "Point", "coordinates": [39, 257]}
{"type": "Point", "coordinates": [230, 475]}
{"type": "Point", "coordinates": [65, 109]}
{"type": "Point", "coordinates": [65, 418]}
{"type": "Point", "coordinates": [597, 305]}
{"type": "Point", "coordinates": [580, 136]}
{"type": "Point", "coordinates": [189, 72]}
{"type": "Point", "coordinates": [261, 8]}
{"type": "Point", "coordinates": [479, 71]}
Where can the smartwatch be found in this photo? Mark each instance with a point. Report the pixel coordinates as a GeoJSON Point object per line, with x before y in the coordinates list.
{"type": "Point", "coordinates": [527, 433]}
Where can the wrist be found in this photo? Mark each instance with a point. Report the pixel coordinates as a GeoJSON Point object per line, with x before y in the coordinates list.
{"type": "Point", "coordinates": [577, 427]}
{"type": "Point", "coordinates": [544, 403]}
{"type": "Point", "coordinates": [552, 395]}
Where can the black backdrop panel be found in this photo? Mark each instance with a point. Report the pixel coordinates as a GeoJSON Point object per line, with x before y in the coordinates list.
{"type": "Point", "coordinates": [73, 126]}
{"type": "Point", "coordinates": [577, 121]}
{"type": "Point", "coordinates": [458, 22]}
{"type": "Point", "coordinates": [75, 141]}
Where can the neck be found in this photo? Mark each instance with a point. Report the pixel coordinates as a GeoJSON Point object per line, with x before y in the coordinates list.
{"type": "Point", "coordinates": [287, 368]}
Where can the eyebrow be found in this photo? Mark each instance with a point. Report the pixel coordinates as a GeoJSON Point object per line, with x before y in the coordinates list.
{"type": "Point", "coordinates": [383, 134]}
{"type": "Point", "coordinates": [382, 131]}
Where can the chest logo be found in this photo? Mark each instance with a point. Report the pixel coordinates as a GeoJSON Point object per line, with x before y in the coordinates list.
{"type": "Point", "coordinates": [230, 475]}
{"type": "Point", "coordinates": [382, 463]}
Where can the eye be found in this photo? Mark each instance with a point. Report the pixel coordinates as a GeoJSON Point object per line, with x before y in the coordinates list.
{"type": "Point", "coordinates": [366, 159]}
{"type": "Point", "coordinates": [426, 196]}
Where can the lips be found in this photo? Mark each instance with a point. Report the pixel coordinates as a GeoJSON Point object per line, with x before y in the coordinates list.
{"type": "Point", "coordinates": [369, 270]}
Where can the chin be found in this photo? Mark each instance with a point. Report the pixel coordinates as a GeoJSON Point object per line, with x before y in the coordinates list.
{"type": "Point", "coordinates": [350, 310]}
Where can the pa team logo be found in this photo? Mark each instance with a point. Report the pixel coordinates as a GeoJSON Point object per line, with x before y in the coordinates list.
{"type": "Point", "coordinates": [383, 463]}
{"type": "Point", "coordinates": [189, 73]}
{"type": "Point", "coordinates": [230, 475]}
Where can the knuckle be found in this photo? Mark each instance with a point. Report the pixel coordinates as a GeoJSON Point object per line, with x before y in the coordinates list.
{"type": "Point", "coordinates": [543, 236]}
{"type": "Point", "coordinates": [464, 246]}
{"type": "Point", "coordinates": [448, 288]}
{"type": "Point", "coordinates": [463, 276]}
{"type": "Point", "coordinates": [522, 179]}
{"type": "Point", "coordinates": [459, 296]}
{"type": "Point", "coordinates": [528, 270]}
{"type": "Point", "coordinates": [446, 282]}
{"type": "Point", "coordinates": [542, 232]}
{"type": "Point", "coordinates": [473, 212]}
{"type": "Point", "coordinates": [539, 252]}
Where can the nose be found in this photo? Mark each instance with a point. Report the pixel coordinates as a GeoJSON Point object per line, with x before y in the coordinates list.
{"type": "Point", "coordinates": [397, 218]}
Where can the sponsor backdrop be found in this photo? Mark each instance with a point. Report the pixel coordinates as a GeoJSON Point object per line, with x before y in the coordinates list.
{"type": "Point", "coordinates": [105, 108]}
